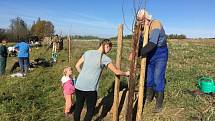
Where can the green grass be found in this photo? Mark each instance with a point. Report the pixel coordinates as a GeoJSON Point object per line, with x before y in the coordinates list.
{"type": "Point", "coordinates": [38, 97]}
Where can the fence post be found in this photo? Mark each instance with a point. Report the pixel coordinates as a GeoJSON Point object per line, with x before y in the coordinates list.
{"type": "Point", "coordinates": [142, 77]}
{"type": "Point", "coordinates": [132, 77]}
{"type": "Point", "coordinates": [117, 78]}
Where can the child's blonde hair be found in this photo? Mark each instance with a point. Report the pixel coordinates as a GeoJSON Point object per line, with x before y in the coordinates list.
{"type": "Point", "coordinates": [65, 70]}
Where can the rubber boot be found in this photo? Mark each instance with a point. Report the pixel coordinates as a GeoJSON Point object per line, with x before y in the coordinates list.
{"type": "Point", "coordinates": [159, 102]}
{"type": "Point", "coordinates": [149, 94]}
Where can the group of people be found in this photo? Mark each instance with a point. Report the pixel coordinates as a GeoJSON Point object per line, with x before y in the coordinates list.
{"type": "Point", "coordinates": [86, 87]}
{"type": "Point", "coordinates": [92, 62]}
{"type": "Point", "coordinates": [22, 49]}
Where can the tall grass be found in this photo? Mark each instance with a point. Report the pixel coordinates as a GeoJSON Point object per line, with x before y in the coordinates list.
{"type": "Point", "coordinates": [38, 97]}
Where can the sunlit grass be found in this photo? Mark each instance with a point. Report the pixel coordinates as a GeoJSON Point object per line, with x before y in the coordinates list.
{"type": "Point", "coordinates": [39, 95]}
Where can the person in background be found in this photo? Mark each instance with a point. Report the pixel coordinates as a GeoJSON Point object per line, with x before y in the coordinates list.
{"type": "Point", "coordinates": [60, 44]}
{"type": "Point", "coordinates": [54, 43]}
{"type": "Point", "coordinates": [23, 50]}
{"type": "Point", "coordinates": [3, 56]}
{"type": "Point", "coordinates": [88, 79]}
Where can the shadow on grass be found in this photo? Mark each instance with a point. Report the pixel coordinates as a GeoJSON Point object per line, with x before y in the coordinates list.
{"type": "Point", "coordinates": [107, 101]}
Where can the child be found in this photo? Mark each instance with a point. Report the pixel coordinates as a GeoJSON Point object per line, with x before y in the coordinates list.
{"type": "Point", "coordinates": [68, 89]}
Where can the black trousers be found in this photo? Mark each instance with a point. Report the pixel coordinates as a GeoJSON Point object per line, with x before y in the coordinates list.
{"type": "Point", "coordinates": [90, 97]}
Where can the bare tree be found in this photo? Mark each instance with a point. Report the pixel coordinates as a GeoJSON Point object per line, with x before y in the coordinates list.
{"type": "Point", "coordinates": [18, 28]}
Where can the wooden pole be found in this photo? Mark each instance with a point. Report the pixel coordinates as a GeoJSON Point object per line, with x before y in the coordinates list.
{"type": "Point", "coordinates": [142, 77]}
{"type": "Point", "coordinates": [117, 78]}
{"type": "Point", "coordinates": [69, 48]}
{"type": "Point", "coordinates": [132, 77]}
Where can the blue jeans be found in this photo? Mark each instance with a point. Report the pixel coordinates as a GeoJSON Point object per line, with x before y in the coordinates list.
{"type": "Point", "coordinates": [156, 69]}
{"type": "Point", "coordinates": [24, 64]}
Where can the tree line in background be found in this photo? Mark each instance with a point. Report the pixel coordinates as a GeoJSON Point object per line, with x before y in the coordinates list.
{"type": "Point", "coordinates": [18, 29]}
{"type": "Point", "coordinates": [170, 36]}
{"type": "Point", "coordinates": [85, 37]}
{"type": "Point", "coordinates": [176, 36]}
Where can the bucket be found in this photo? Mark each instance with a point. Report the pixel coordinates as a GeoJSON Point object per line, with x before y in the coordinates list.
{"type": "Point", "coordinates": [206, 84]}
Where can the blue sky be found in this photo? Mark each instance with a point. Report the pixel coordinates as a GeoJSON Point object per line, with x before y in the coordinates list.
{"type": "Point", "coordinates": [194, 18]}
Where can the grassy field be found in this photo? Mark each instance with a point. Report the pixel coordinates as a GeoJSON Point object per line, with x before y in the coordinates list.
{"type": "Point", "coordinates": [38, 97]}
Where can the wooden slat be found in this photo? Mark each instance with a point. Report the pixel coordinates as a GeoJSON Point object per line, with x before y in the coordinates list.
{"type": "Point", "coordinates": [142, 77]}
{"type": "Point", "coordinates": [117, 78]}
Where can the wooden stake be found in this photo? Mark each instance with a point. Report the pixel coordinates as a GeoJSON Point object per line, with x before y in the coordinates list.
{"type": "Point", "coordinates": [69, 48]}
{"type": "Point", "coordinates": [142, 77]}
{"type": "Point", "coordinates": [117, 78]}
{"type": "Point", "coordinates": [132, 77]}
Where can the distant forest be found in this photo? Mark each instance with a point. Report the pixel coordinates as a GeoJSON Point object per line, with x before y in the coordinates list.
{"type": "Point", "coordinates": [18, 30]}
{"type": "Point", "coordinates": [170, 36]}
